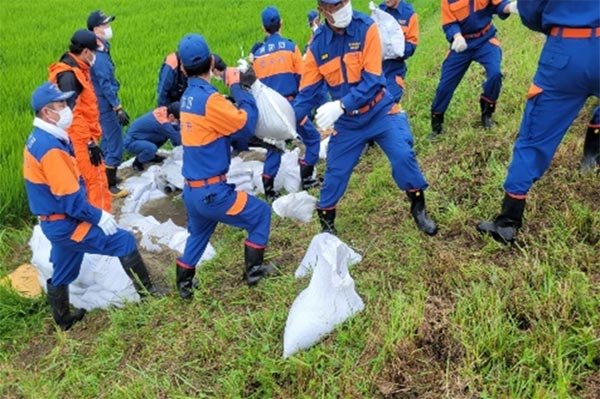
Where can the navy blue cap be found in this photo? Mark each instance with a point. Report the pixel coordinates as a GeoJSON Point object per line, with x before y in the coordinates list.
{"type": "Point", "coordinates": [46, 94]}
{"type": "Point", "coordinates": [270, 16]}
{"type": "Point", "coordinates": [193, 50]}
{"type": "Point", "coordinates": [85, 39]}
{"type": "Point", "coordinates": [98, 18]}
{"type": "Point", "coordinates": [312, 14]}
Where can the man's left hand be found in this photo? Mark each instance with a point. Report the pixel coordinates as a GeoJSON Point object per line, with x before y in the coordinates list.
{"type": "Point", "coordinates": [328, 113]}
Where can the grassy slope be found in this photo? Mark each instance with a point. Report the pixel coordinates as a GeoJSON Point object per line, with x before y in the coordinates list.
{"type": "Point", "coordinates": [455, 316]}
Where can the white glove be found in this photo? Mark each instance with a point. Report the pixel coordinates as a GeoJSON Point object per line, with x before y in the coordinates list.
{"type": "Point", "coordinates": [372, 6]}
{"type": "Point", "coordinates": [328, 113]}
{"type": "Point", "coordinates": [459, 44]}
{"type": "Point", "coordinates": [243, 65]}
{"type": "Point", "coordinates": [512, 8]}
{"type": "Point", "coordinates": [108, 224]}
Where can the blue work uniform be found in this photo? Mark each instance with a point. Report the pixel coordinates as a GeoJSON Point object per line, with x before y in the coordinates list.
{"type": "Point", "coordinates": [472, 19]}
{"type": "Point", "coordinates": [568, 73]}
{"type": "Point", "coordinates": [149, 132]}
{"type": "Point", "coordinates": [106, 87]}
{"type": "Point", "coordinates": [172, 82]}
{"type": "Point", "coordinates": [208, 123]}
{"type": "Point", "coordinates": [395, 69]}
{"type": "Point", "coordinates": [278, 63]}
{"type": "Point", "coordinates": [57, 195]}
{"type": "Point", "coordinates": [350, 65]}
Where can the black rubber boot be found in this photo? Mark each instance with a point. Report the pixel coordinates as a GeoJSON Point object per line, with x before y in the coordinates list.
{"type": "Point", "coordinates": [137, 165]}
{"type": "Point", "coordinates": [306, 175]}
{"type": "Point", "coordinates": [268, 185]}
{"type": "Point", "coordinates": [487, 109]}
{"type": "Point", "coordinates": [591, 150]}
{"type": "Point", "coordinates": [157, 159]}
{"type": "Point", "coordinates": [111, 176]}
{"type": "Point", "coordinates": [184, 280]}
{"type": "Point", "coordinates": [58, 297]}
{"type": "Point", "coordinates": [327, 219]}
{"type": "Point", "coordinates": [419, 213]}
{"type": "Point", "coordinates": [437, 122]}
{"type": "Point", "coordinates": [505, 226]}
{"type": "Point", "coordinates": [134, 266]}
{"type": "Point", "coordinates": [256, 270]}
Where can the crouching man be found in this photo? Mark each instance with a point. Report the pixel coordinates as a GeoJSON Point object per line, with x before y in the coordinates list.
{"type": "Point", "coordinates": [57, 196]}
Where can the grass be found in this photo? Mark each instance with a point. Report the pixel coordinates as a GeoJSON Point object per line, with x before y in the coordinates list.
{"type": "Point", "coordinates": [456, 316]}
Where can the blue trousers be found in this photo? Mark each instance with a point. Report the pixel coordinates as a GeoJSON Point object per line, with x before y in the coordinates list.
{"type": "Point", "coordinates": [144, 150]}
{"type": "Point", "coordinates": [345, 149]}
{"type": "Point", "coordinates": [489, 55]}
{"type": "Point", "coordinates": [311, 139]}
{"type": "Point", "coordinates": [208, 205]}
{"type": "Point", "coordinates": [112, 138]}
{"type": "Point", "coordinates": [568, 73]}
{"type": "Point", "coordinates": [68, 249]}
{"type": "Point", "coordinates": [395, 73]}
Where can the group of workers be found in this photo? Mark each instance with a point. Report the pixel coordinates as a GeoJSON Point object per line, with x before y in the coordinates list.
{"type": "Point", "coordinates": [340, 82]}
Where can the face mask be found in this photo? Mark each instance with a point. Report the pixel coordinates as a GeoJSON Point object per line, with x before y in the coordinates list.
{"type": "Point", "coordinates": [93, 60]}
{"type": "Point", "coordinates": [343, 16]}
{"type": "Point", "coordinates": [108, 33]}
{"type": "Point", "coordinates": [65, 117]}
{"type": "Point", "coordinates": [315, 27]}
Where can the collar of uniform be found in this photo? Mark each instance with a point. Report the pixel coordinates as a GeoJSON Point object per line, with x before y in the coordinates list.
{"type": "Point", "coordinates": [275, 35]}
{"type": "Point", "coordinates": [102, 44]}
{"type": "Point", "coordinates": [329, 33]}
{"type": "Point", "coordinates": [198, 82]}
{"type": "Point", "coordinates": [54, 130]}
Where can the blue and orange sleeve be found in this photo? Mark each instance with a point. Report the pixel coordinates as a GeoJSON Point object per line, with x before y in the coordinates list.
{"type": "Point", "coordinates": [411, 35]}
{"type": "Point", "coordinates": [229, 120]}
{"type": "Point", "coordinates": [449, 21]}
{"type": "Point", "coordinates": [166, 78]}
{"type": "Point", "coordinates": [531, 13]}
{"type": "Point", "coordinates": [311, 86]}
{"type": "Point", "coordinates": [173, 133]}
{"type": "Point", "coordinates": [500, 5]}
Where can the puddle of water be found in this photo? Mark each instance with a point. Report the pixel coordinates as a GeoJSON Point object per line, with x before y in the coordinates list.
{"type": "Point", "coordinates": [166, 208]}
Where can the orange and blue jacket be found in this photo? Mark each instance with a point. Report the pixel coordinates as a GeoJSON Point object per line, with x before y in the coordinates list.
{"type": "Point", "coordinates": [408, 19]}
{"type": "Point", "coordinates": [471, 18]}
{"type": "Point", "coordinates": [154, 126]}
{"type": "Point", "coordinates": [350, 65]}
{"type": "Point", "coordinates": [542, 15]}
{"type": "Point", "coordinates": [208, 123]}
{"type": "Point", "coordinates": [52, 180]}
{"type": "Point", "coordinates": [171, 80]}
{"type": "Point", "coordinates": [278, 63]}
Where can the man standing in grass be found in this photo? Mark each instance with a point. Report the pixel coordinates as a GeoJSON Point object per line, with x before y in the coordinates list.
{"type": "Point", "coordinates": [568, 73]}
{"type": "Point", "coordinates": [106, 85]}
{"type": "Point", "coordinates": [57, 196]}
{"type": "Point", "coordinates": [209, 122]}
{"type": "Point", "coordinates": [278, 64]}
{"type": "Point", "coordinates": [345, 55]}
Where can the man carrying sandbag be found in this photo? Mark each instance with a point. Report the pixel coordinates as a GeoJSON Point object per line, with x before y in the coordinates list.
{"type": "Point", "coordinates": [346, 56]}
{"type": "Point", "coordinates": [57, 196]}
{"type": "Point", "coordinates": [278, 63]}
{"type": "Point", "coordinates": [208, 124]}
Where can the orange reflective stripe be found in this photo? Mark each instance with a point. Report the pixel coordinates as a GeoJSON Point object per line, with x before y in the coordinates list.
{"type": "Point", "coordinates": [353, 64]}
{"type": "Point", "coordinates": [81, 231]}
{"type": "Point", "coordinates": [574, 33]}
{"type": "Point", "coordinates": [483, 4]}
{"type": "Point", "coordinates": [61, 174]}
{"type": "Point", "coordinates": [332, 72]}
{"type": "Point", "coordinates": [534, 90]}
{"type": "Point", "coordinates": [32, 170]}
{"type": "Point", "coordinates": [160, 114]}
{"type": "Point", "coordinates": [372, 51]}
{"type": "Point", "coordinates": [238, 205]}
{"type": "Point", "coordinates": [400, 81]}
{"type": "Point", "coordinates": [274, 63]}
{"type": "Point", "coordinates": [396, 108]}
{"type": "Point", "coordinates": [495, 41]}
{"type": "Point", "coordinates": [411, 31]}
{"type": "Point", "coordinates": [310, 71]}
{"type": "Point", "coordinates": [297, 60]}
{"type": "Point", "coordinates": [171, 60]}
{"type": "Point", "coordinates": [454, 12]}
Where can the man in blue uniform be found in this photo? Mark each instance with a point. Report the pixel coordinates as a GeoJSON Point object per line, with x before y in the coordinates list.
{"type": "Point", "coordinates": [106, 86]}
{"type": "Point", "coordinates": [278, 64]}
{"type": "Point", "coordinates": [395, 69]}
{"type": "Point", "coordinates": [568, 73]}
{"type": "Point", "coordinates": [57, 196]}
{"type": "Point", "coordinates": [345, 55]}
{"type": "Point", "coordinates": [469, 29]}
{"type": "Point", "coordinates": [208, 124]}
{"type": "Point", "coordinates": [150, 131]}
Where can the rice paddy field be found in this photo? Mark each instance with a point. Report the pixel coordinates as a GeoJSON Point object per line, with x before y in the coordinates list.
{"type": "Point", "coordinates": [454, 316]}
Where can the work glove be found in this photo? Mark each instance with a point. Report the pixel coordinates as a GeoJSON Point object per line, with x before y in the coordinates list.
{"type": "Point", "coordinates": [328, 113]}
{"type": "Point", "coordinates": [512, 8]}
{"type": "Point", "coordinates": [272, 145]}
{"type": "Point", "coordinates": [122, 116]}
{"type": "Point", "coordinates": [95, 153]}
{"type": "Point", "coordinates": [248, 78]}
{"type": "Point", "coordinates": [459, 44]}
{"type": "Point", "coordinates": [108, 224]}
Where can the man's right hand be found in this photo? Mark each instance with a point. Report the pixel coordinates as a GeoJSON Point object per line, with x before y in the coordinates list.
{"type": "Point", "coordinates": [108, 224]}
{"type": "Point", "coordinates": [248, 77]}
{"type": "Point", "coordinates": [459, 44]}
{"type": "Point", "coordinates": [95, 153]}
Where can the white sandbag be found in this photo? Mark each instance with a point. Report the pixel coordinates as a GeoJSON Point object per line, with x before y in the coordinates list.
{"type": "Point", "coordinates": [298, 206]}
{"type": "Point", "coordinates": [288, 177]}
{"type": "Point", "coordinates": [323, 147]}
{"type": "Point", "coordinates": [170, 177]}
{"type": "Point", "coordinates": [276, 117]}
{"type": "Point", "coordinates": [325, 246]}
{"type": "Point", "coordinates": [328, 301]}
{"type": "Point", "coordinates": [390, 33]}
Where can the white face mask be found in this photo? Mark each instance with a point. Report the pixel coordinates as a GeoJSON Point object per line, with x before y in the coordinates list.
{"type": "Point", "coordinates": [343, 16]}
{"type": "Point", "coordinates": [93, 61]}
{"type": "Point", "coordinates": [108, 33]}
{"type": "Point", "coordinates": [65, 117]}
{"type": "Point", "coordinates": [315, 26]}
